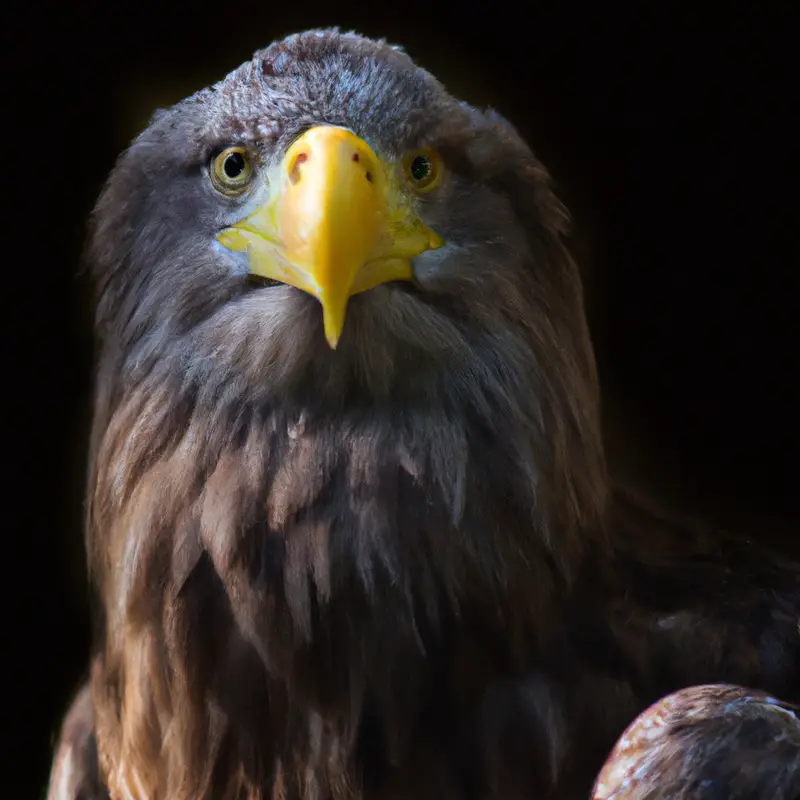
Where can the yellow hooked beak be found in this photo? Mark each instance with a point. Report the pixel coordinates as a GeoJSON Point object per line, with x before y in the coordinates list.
{"type": "Point", "coordinates": [336, 224]}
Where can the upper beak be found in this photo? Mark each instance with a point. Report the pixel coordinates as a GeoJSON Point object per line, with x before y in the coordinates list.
{"type": "Point", "coordinates": [335, 224]}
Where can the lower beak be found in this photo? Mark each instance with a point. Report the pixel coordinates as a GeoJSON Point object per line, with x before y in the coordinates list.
{"type": "Point", "coordinates": [335, 224]}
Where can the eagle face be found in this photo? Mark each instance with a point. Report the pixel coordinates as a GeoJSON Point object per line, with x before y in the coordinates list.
{"type": "Point", "coordinates": [327, 194]}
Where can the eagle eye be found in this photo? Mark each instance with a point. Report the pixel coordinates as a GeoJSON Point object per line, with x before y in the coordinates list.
{"type": "Point", "coordinates": [423, 169]}
{"type": "Point", "coordinates": [231, 171]}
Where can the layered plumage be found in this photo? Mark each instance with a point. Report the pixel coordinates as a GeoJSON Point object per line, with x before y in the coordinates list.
{"type": "Point", "coordinates": [393, 569]}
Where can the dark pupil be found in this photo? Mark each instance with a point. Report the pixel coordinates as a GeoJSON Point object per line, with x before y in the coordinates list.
{"type": "Point", "coordinates": [420, 168]}
{"type": "Point", "coordinates": [233, 166]}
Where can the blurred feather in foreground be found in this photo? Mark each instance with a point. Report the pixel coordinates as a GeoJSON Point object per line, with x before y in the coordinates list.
{"type": "Point", "coordinates": [707, 743]}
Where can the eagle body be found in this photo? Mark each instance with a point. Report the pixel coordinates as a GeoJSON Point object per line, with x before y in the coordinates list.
{"type": "Point", "coordinates": [349, 523]}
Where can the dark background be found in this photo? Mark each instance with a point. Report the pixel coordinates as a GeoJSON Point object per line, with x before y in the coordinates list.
{"type": "Point", "coordinates": [667, 134]}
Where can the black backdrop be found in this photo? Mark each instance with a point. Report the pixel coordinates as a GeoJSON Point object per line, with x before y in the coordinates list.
{"type": "Point", "coordinates": [666, 132]}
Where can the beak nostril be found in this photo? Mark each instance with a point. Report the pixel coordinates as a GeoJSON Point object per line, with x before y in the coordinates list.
{"type": "Point", "coordinates": [355, 157]}
{"type": "Point", "coordinates": [369, 176]}
{"type": "Point", "coordinates": [294, 172]}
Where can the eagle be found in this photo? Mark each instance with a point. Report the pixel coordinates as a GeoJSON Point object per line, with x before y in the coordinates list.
{"type": "Point", "coordinates": [350, 529]}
